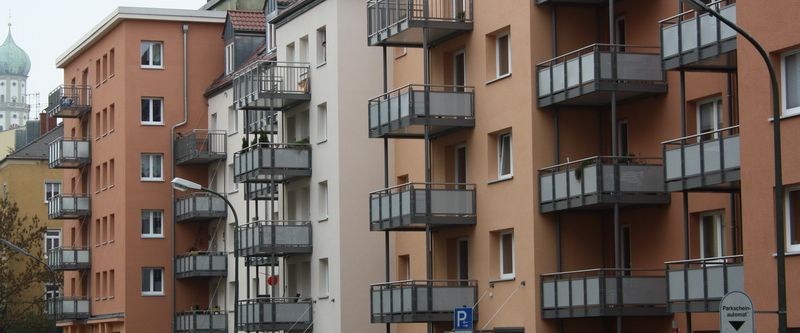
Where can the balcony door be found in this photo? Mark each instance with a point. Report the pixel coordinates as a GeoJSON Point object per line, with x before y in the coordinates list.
{"type": "Point", "coordinates": [711, 235]}
{"type": "Point", "coordinates": [462, 259]}
{"type": "Point", "coordinates": [460, 70]}
{"type": "Point", "coordinates": [709, 119]}
{"type": "Point", "coordinates": [625, 238]}
{"type": "Point", "coordinates": [459, 8]}
{"type": "Point", "coordinates": [460, 163]}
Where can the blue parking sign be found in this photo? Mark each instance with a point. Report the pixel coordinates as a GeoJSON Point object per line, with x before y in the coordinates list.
{"type": "Point", "coordinates": [462, 319]}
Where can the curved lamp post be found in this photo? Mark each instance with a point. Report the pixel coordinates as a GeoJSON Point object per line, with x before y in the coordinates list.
{"type": "Point", "coordinates": [780, 223]}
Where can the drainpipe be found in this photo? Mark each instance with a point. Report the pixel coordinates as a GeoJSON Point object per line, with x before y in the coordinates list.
{"type": "Point", "coordinates": [185, 29]}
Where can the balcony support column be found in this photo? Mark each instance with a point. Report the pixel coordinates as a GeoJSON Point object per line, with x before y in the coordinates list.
{"type": "Point", "coordinates": [386, 244]}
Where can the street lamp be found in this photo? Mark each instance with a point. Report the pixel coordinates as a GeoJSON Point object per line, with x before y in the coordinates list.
{"type": "Point", "coordinates": [776, 137]}
{"type": "Point", "coordinates": [182, 185]}
{"type": "Point", "coordinates": [35, 258]}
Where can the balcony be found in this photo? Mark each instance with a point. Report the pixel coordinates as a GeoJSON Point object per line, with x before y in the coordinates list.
{"type": "Point", "coordinates": [272, 162]}
{"type": "Point", "coordinates": [572, 2]}
{"type": "Point", "coordinates": [403, 113]}
{"type": "Point", "coordinates": [260, 191]}
{"type": "Point", "coordinates": [406, 207]}
{"type": "Point", "coordinates": [274, 314]}
{"type": "Point", "coordinates": [588, 76]}
{"type": "Point", "coordinates": [421, 301]}
{"type": "Point", "coordinates": [700, 42]}
{"type": "Point", "coordinates": [603, 293]}
{"type": "Point", "coordinates": [69, 258]}
{"type": "Point", "coordinates": [402, 22]}
{"type": "Point", "coordinates": [264, 238]}
{"type": "Point", "coordinates": [66, 153]}
{"type": "Point", "coordinates": [199, 206]}
{"type": "Point", "coordinates": [200, 147]}
{"type": "Point", "coordinates": [698, 285]}
{"type": "Point", "coordinates": [261, 121]}
{"type": "Point", "coordinates": [69, 207]}
{"type": "Point", "coordinates": [69, 101]}
{"type": "Point", "coordinates": [201, 322]}
{"type": "Point", "coordinates": [704, 162]}
{"type": "Point", "coordinates": [260, 261]}
{"type": "Point", "coordinates": [201, 264]}
{"type": "Point", "coordinates": [67, 308]}
{"type": "Point", "coordinates": [271, 85]}
{"type": "Point", "coordinates": [600, 182]}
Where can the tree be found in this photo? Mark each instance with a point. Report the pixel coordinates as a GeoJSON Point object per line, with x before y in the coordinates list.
{"type": "Point", "coordinates": [21, 278]}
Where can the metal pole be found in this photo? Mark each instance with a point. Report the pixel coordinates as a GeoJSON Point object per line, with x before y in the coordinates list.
{"type": "Point", "coordinates": [685, 199]}
{"type": "Point", "coordinates": [386, 176]}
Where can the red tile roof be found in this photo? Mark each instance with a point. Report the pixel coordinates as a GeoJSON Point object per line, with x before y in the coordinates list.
{"type": "Point", "coordinates": [247, 20]}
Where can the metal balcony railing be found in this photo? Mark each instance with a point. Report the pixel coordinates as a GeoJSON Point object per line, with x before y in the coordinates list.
{"type": "Point", "coordinates": [199, 206]}
{"type": "Point", "coordinates": [261, 191]}
{"type": "Point", "coordinates": [69, 101]}
{"type": "Point", "coordinates": [400, 22]}
{"type": "Point", "coordinates": [587, 76]}
{"type": "Point", "coordinates": [274, 314]}
{"type": "Point", "coordinates": [403, 112]}
{"type": "Point", "coordinates": [67, 308]}
{"type": "Point", "coordinates": [260, 261]}
{"type": "Point", "coordinates": [571, 2]}
{"type": "Point", "coordinates": [69, 206]}
{"type": "Point", "coordinates": [421, 301]}
{"type": "Point", "coordinates": [271, 85]}
{"type": "Point", "coordinates": [698, 285]}
{"type": "Point", "coordinates": [266, 162]}
{"type": "Point", "coordinates": [69, 153]}
{"type": "Point", "coordinates": [67, 258]}
{"type": "Point", "coordinates": [201, 322]}
{"type": "Point", "coordinates": [200, 147]}
{"type": "Point", "coordinates": [261, 121]}
{"type": "Point", "coordinates": [705, 161]}
{"type": "Point", "coordinates": [600, 182]}
{"type": "Point", "coordinates": [273, 237]}
{"type": "Point", "coordinates": [603, 293]}
{"type": "Point", "coordinates": [700, 42]}
{"type": "Point", "coordinates": [201, 264]}
{"type": "Point", "coordinates": [412, 206]}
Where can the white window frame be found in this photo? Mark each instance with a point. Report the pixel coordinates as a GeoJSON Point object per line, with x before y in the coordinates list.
{"type": "Point", "coordinates": [272, 43]}
{"type": "Point", "coordinates": [150, 214]}
{"type": "Point", "coordinates": [497, 54]}
{"type": "Point", "coordinates": [719, 220]}
{"type": "Point", "coordinates": [717, 102]}
{"type": "Point", "coordinates": [500, 156]}
{"type": "Point", "coordinates": [512, 275]}
{"type": "Point", "coordinates": [51, 234]}
{"type": "Point", "coordinates": [788, 216]}
{"type": "Point", "coordinates": [322, 123]}
{"type": "Point", "coordinates": [322, 45]}
{"type": "Point", "coordinates": [324, 287]}
{"type": "Point", "coordinates": [150, 44]}
{"type": "Point", "coordinates": [151, 277]}
{"type": "Point", "coordinates": [324, 198]}
{"type": "Point", "coordinates": [230, 61]}
{"type": "Point", "coordinates": [151, 100]}
{"type": "Point", "coordinates": [150, 157]}
{"type": "Point", "coordinates": [784, 111]}
{"type": "Point", "coordinates": [47, 189]}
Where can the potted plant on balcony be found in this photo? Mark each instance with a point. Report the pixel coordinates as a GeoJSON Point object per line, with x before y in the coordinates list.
{"type": "Point", "coordinates": [579, 170]}
{"type": "Point", "coordinates": [461, 16]}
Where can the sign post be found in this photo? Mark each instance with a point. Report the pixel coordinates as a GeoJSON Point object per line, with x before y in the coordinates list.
{"type": "Point", "coordinates": [462, 320]}
{"type": "Point", "coordinates": [736, 313]}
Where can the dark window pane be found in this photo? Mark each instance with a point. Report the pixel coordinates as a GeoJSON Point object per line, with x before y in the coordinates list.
{"type": "Point", "coordinates": [508, 253]}
{"type": "Point", "coordinates": [157, 106]}
{"type": "Point", "coordinates": [144, 51]}
{"type": "Point", "coordinates": [145, 110]}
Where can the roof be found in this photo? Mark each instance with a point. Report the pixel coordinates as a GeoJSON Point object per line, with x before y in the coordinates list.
{"type": "Point", "coordinates": [294, 10]}
{"type": "Point", "coordinates": [38, 149]}
{"type": "Point", "coordinates": [224, 81]}
{"type": "Point", "coordinates": [13, 60]}
{"type": "Point", "coordinates": [247, 20]}
{"type": "Point", "coordinates": [136, 13]}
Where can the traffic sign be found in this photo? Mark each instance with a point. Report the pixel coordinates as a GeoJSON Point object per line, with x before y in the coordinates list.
{"type": "Point", "coordinates": [462, 319]}
{"type": "Point", "coordinates": [736, 313]}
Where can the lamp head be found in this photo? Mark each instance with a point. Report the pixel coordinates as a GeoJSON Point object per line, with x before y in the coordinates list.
{"type": "Point", "coordinates": [181, 184]}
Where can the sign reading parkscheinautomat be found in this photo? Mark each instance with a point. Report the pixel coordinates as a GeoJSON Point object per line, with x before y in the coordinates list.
{"type": "Point", "coordinates": [736, 313]}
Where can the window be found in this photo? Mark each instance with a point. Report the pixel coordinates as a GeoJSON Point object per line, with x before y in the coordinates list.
{"type": "Point", "coordinates": [229, 60]}
{"type": "Point", "coordinates": [460, 70]}
{"type": "Point", "coordinates": [303, 49]}
{"type": "Point", "coordinates": [233, 121]}
{"type": "Point", "coordinates": [105, 285]}
{"type": "Point", "coordinates": [105, 175]}
{"type": "Point", "coordinates": [507, 254]}
{"type": "Point", "coordinates": [271, 40]}
{"type": "Point", "coordinates": [503, 54]}
{"type": "Point", "coordinates": [97, 286]}
{"type": "Point", "coordinates": [324, 283]}
{"type": "Point", "coordinates": [51, 291]}
{"type": "Point", "coordinates": [105, 229]}
{"type": "Point", "coordinates": [105, 121]}
{"type": "Point", "coordinates": [111, 283]}
{"type": "Point", "coordinates": [505, 168]}
{"type": "Point", "coordinates": [322, 46]}
{"type": "Point", "coordinates": [233, 185]}
{"type": "Point", "coordinates": [152, 281]}
{"type": "Point", "coordinates": [111, 117]}
{"type": "Point", "coordinates": [790, 79]}
{"type": "Point", "coordinates": [322, 122]}
{"type": "Point", "coordinates": [290, 52]}
{"type": "Point", "coordinates": [97, 77]}
{"type": "Point", "coordinates": [111, 234]}
{"type": "Point", "coordinates": [96, 232]}
{"type": "Point", "coordinates": [97, 124]}
{"type": "Point", "coordinates": [622, 138]}
{"type": "Point", "coordinates": [111, 172]}
{"type": "Point", "coordinates": [404, 267]}
{"type": "Point", "coordinates": [111, 64]}
{"type": "Point", "coordinates": [793, 219]}
{"type": "Point", "coordinates": [97, 179]}
{"type": "Point", "coordinates": [152, 223]}
{"type": "Point", "coordinates": [51, 188]}
{"type": "Point", "coordinates": [323, 200]}
{"type": "Point", "coordinates": [152, 165]}
{"type": "Point", "coordinates": [709, 118]}
{"type": "Point", "coordinates": [711, 235]}
{"type": "Point", "coordinates": [105, 67]}
{"type": "Point", "coordinates": [52, 240]}
{"type": "Point", "coordinates": [152, 111]}
{"type": "Point", "coordinates": [152, 54]}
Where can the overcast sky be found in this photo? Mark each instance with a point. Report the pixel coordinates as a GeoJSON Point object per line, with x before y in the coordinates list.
{"type": "Point", "coordinates": [46, 28]}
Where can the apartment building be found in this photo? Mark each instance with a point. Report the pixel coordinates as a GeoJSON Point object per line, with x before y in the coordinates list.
{"type": "Point", "coordinates": [583, 161]}
{"type": "Point", "coordinates": [132, 85]}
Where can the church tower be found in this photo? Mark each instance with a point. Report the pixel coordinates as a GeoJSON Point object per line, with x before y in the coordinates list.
{"type": "Point", "coordinates": [14, 67]}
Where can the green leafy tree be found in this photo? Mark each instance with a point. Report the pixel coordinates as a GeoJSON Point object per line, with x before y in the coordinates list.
{"type": "Point", "coordinates": [21, 277]}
